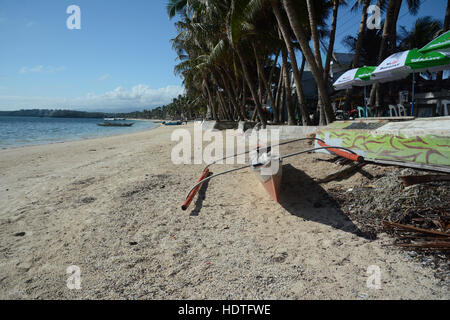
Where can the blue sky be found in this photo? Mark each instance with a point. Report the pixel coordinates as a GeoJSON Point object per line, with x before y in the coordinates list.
{"type": "Point", "coordinates": [121, 59]}
{"type": "Point", "coordinates": [121, 53]}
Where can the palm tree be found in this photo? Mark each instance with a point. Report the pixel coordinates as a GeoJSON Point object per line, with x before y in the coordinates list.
{"type": "Point", "coordinates": [286, 35]}
{"type": "Point", "coordinates": [336, 4]}
{"type": "Point", "coordinates": [357, 47]}
{"type": "Point", "coordinates": [424, 29]}
{"type": "Point", "coordinates": [361, 31]}
{"type": "Point", "coordinates": [236, 31]}
{"type": "Point", "coordinates": [371, 41]}
{"type": "Point", "coordinates": [389, 37]}
{"type": "Point", "coordinates": [317, 71]}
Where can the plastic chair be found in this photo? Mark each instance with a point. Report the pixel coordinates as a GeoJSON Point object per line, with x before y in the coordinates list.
{"type": "Point", "coordinates": [445, 107]}
{"type": "Point", "coordinates": [392, 111]}
{"type": "Point", "coordinates": [401, 110]}
{"type": "Point", "coordinates": [361, 112]}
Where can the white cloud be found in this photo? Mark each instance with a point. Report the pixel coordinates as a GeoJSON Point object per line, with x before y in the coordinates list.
{"type": "Point", "coordinates": [41, 69]}
{"type": "Point", "coordinates": [29, 24]}
{"type": "Point", "coordinates": [104, 77]}
{"type": "Point", "coordinates": [138, 97]}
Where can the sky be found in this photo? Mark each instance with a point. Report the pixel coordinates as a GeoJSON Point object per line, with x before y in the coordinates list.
{"type": "Point", "coordinates": [120, 60]}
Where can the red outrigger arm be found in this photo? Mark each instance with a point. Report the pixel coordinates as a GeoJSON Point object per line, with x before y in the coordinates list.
{"type": "Point", "coordinates": [194, 191]}
{"type": "Point", "coordinates": [342, 153]}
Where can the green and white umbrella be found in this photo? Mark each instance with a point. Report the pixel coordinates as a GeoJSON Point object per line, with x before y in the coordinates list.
{"type": "Point", "coordinates": [440, 44]}
{"type": "Point", "coordinates": [358, 77]}
{"type": "Point", "coordinates": [402, 64]}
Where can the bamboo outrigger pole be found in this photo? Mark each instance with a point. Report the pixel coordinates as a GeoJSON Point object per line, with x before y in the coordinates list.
{"type": "Point", "coordinates": [340, 151]}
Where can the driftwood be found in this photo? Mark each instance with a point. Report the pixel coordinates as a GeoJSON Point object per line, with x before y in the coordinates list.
{"type": "Point", "coordinates": [437, 245]}
{"type": "Point", "coordinates": [414, 229]}
{"type": "Point", "coordinates": [412, 180]}
{"type": "Point", "coordinates": [422, 239]}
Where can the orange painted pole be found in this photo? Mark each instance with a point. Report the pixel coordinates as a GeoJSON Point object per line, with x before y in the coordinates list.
{"type": "Point", "coordinates": [341, 153]}
{"type": "Point", "coordinates": [191, 196]}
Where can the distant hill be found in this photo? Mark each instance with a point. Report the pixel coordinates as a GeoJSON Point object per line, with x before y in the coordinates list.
{"type": "Point", "coordinates": [53, 113]}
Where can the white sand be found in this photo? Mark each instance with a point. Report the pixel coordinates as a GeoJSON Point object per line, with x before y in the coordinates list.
{"type": "Point", "coordinates": [112, 207]}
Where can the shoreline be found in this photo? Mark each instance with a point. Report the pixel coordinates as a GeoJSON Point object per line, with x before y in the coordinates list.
{"type": "Point", "coordinates": [79, 139]}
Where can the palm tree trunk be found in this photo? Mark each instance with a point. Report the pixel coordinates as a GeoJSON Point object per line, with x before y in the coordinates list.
{"type": "Point", "coordinates": [332, 38]}
{"type": "Point", "coordinates": [282, 115]}
{"type": "Point", "coordinates": [387, 34]}
{"type": "Point", "coordinates": [314, 32]}
{"type": "Point", "coordinates": [231, 97]}
{"type": "Point", "coordinates": [252, 87]}
{"type": "Point", "coordinates": [358, 47]}
{"type": "Point", "coordinates": [315, 69]}
{"type": "Point", "coordinates": [287, 85]}
{"type": "Point", "coordinates": [264, 79]}
{"type": "Point", "coordinates": [301, 98]}
{"type": "Point", "coordinates": [283, 27]}
{"type": "Point", "coordinates": [244, 99]}
{"type": "Point", "coordinates": [211, 103]}
{"type": "Point", "coordinates": [275, 62]}
{"type": "Point", "coordinates": [225, 110]}
{"type": "Point", "coordinates": [278, 95]}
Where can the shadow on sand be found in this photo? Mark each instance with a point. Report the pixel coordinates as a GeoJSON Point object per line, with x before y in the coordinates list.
{"type": "Point", "coordinates": [201, 196]}
{"type": "Point", "coordinates": [303, 197]}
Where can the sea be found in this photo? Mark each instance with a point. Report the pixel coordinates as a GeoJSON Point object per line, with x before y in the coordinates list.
{"type": "Point", "coordinates": [25, 131]}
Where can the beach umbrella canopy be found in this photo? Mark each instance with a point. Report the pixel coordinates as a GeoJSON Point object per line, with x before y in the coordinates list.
{"type": "Point", "coordinates": [440, 44]}
{"type": "Point", "coordinates": [359, 77]}
{"type": "Point", "coordinates": [401, 64]}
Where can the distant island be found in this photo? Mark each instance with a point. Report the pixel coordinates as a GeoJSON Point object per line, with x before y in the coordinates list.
{"type": "Point", "coordinates": [53, 113]}
{"type": "Point", "coordinates": [168, 112]}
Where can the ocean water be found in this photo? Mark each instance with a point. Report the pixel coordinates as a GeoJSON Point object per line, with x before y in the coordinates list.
{"type": "Point", "coordinates": [23, 131]}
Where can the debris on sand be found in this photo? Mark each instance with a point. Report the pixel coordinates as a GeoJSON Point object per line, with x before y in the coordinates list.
{"type": "Point", "coordinates": [417, 216]}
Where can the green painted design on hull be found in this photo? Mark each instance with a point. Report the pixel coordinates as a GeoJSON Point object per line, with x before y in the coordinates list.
{"type": "Point", "coordinates": [429, 150]}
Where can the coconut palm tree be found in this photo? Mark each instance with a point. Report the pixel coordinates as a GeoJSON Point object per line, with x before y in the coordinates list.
{"type": "Point", "coordinates": [299, 28]}
{"type": "Point", "coordinates": [286, 35]}
{"type": "Point", "coordinates": [371, 41]}
{"type": "Point", "coordinates": [389, 37]}
{"type": "Point", "coordinates": [424, 29]}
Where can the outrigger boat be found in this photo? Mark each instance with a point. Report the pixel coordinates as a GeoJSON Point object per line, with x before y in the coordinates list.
{"type": "Point", "coordinates": [268, 167]}
{"type": "Point", "coordinates": [173, 123]}
{"type": "Point", "coordinates": [115, 124]}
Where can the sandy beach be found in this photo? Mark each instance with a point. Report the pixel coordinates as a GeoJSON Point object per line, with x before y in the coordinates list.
{"type": "Point", "coordinates": [111, 206]}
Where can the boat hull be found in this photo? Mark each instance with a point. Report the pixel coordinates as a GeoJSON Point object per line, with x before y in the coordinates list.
{"type": "Point", "coordinates": [270, 176]}
{"type": "Point", "coordinates": [108, 124]}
